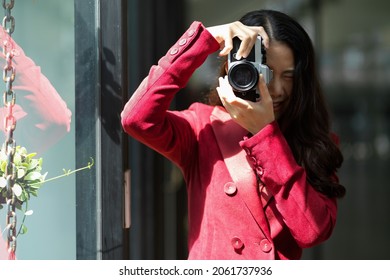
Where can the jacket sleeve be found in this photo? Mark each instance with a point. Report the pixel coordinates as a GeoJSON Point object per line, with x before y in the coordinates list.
{"type": "Point", "coordinates": [42, 116]}
{"type": "Point", "coordinates": [146, 117]}
{"type": "Point", "coordinates": [309, 215]}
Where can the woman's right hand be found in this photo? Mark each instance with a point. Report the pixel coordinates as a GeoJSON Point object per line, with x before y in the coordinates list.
{"type": "Point", "coordinates": [253, 116]}
{"type": "Point", "coordinates": [225, 33]}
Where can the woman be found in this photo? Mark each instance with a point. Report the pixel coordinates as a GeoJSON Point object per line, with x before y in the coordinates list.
{"type": "Point", "coordinates": [261, 176]}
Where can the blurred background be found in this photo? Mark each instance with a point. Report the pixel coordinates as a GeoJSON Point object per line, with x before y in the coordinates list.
{"type": "Point", "coordinates": [132, 205]}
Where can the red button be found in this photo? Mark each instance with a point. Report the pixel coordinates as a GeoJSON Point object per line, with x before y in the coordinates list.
{"type": "Point", "coordinates": [237, 243]}
{"type": "Point", "coordinates": [230, 188]}
{"type": "Point", "coordinates": [265, 245]}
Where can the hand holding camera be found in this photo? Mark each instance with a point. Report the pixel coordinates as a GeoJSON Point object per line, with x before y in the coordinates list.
{"type": "Point", "coordinates": [245, 47]}
{"type": "Point", "coordinates": [241, 44]}
{"type": "Point", "coordinates": [253, 116]}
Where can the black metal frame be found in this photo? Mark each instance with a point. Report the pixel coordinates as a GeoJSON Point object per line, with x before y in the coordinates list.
{"type": "Point", "coordinates": [104, 35]}
{"type": "Point", "coordinates": [101, 85]}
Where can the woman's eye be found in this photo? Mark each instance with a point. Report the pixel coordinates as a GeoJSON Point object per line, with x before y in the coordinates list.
{"type": "Point", "coordinates": [288, 74]}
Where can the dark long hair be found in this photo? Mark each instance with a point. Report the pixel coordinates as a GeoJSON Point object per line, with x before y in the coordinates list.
{"type": "Point", "coordinates": [306, 122]}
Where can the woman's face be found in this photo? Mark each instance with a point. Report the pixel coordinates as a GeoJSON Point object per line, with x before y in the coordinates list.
{"type": "Point", "coordinates": [280, 59]}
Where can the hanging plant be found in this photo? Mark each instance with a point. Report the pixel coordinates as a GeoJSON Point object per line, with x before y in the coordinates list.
{"type": "Point", "coordinates": [28, 179]}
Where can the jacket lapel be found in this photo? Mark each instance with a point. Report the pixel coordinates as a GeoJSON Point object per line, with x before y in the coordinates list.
{"type": "Point", "coordinates": [237, 163]}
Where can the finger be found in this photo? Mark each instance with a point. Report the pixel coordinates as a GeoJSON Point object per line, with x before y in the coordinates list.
{"type": "Point", "coordinates": [245, 48]}
{"type": "Point", "coordinates": [263, 89]}
{"type": "Point", "coordinates": [228, 98]}
{"type": "Point", "coordinates": [246, 35]}
{"type": "Point", "coordinates": [226, 49]}
{"type": "Point", "coordinates": [261, 31]}
{"type": "Point", "coordinates": [248, 39]}
{"type": "Point", "coordinates": [225, 90]}
{"type": "Point", "coordinates": [228, 44]}
{"type": "Point", "coordinates": [221, 97]}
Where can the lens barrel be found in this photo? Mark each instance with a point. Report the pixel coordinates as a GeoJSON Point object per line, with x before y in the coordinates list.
{"type": "Point", "coordinates": [243, 76]}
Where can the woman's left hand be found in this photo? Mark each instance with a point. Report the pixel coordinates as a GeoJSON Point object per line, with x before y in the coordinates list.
{"type": "Point", "coordinates": [225, 33]}
{"type": "Point", "coordinates": [253, 116]}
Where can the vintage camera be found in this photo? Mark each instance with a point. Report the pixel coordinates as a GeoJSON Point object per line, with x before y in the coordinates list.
{"type": "Point", "coordinates": [243, 74]}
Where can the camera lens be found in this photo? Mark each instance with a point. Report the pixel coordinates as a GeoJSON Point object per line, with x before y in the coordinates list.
{"type": "Point", "coordinates": [243, 76]}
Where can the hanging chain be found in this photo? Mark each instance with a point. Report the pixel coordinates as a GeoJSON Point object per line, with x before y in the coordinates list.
{"type": "Point", "coordinates": [9, 123]}
{"type": "Point", "coordinates": [8, 18]}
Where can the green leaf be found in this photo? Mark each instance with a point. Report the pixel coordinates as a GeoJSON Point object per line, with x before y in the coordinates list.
{"type": "Point", "coordinates": [30, 156]}
{"type": "Point", "coordinates": [17, 159]}
{"type": "Point", "coordinates": [32, 176]}
{"type": "Point", "coordinates": [23, 229]}
{"type": "Point", "coordinates": [3, 166]}
{"type": "Point", "coordinates": [34, 193]}
{"type": "Point", "coordinates": [21, 172]}
{"type": "Point", "coordinates": [22, 150]}
{"type": "Point", "coordinates": [23, 196]}
{"type": "Point", "coordinates": [17, 189]}
{"type": "Point", "coordinates": [33, 164]}
{"type": "Point", "coordinates": [35, 186]}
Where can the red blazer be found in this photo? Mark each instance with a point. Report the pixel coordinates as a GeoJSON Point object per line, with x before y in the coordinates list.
{"type": "Point", "coordinates": [231, 216]}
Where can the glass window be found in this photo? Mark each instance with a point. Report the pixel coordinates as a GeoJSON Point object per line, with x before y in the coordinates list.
{"type": "Point", "coordinates": [44, 30]}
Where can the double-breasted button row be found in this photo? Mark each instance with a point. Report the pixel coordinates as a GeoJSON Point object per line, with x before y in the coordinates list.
{"type": "Point", "coordinates": [238, 244]}
{"type": "Point", "coordinates": [183, 41]}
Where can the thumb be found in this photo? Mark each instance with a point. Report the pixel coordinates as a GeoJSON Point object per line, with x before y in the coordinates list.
{"type": "Point", "coordinates": [263, 89]}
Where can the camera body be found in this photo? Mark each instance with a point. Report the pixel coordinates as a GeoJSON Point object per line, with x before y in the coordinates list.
{"type": "Point", "coordinates": [243, 74]}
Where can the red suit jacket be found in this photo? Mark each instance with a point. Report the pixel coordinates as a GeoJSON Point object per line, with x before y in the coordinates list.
{"type": "Point", "coordinates": [231, 215]}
